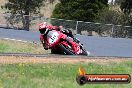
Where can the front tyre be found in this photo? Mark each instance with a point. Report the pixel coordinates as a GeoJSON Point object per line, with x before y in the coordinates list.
{"type": "Point", "coordinates": [66, 50]}
{"type": "Point", "coordinates": [85, 52]}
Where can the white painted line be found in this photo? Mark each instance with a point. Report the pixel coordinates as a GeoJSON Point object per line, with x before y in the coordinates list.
{"type": "Point", "coordinates": [15, 40]}
{"type": "Point", "coordinates": [21, 40]}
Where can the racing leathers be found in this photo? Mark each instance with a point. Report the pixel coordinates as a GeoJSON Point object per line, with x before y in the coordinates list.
{"type": "Point", "coordinates": [45, 43]}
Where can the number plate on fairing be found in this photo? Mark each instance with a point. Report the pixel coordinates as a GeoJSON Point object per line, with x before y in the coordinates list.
{"type": "Point", "coordinates": [52, 37]}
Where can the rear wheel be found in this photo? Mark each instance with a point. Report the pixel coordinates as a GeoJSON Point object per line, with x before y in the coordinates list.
{"type": "Point", "coordinates": [66, 50]}
{"type": "Point", "coordinates": [54, 51]}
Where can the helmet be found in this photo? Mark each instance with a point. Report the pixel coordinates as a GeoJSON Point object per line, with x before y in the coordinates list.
{"type": "Point", "coordinates": [42, 27]}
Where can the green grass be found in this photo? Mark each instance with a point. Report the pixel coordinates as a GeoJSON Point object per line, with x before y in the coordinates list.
{"type": "Point", "coordinates": [7, 46]}
{"type": "Point", "coordinates": [57, 75]}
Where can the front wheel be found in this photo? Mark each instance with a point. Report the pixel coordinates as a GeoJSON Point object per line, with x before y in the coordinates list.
{"type": "Point", "coordinates": [85, 52]}
{"type": "Point", "coordinates": [66, 50]}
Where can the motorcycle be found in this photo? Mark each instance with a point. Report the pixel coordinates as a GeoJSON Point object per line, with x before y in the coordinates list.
{"type": "Point", "coordinates": [84, 52]}
{"type": "Point", "coordinates": [60, 46]}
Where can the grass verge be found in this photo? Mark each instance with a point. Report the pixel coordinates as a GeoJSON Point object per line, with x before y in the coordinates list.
{"type": "Point", "coordinates": [58, 75]}
{"type": "Point", "coordinates": [8, 46]}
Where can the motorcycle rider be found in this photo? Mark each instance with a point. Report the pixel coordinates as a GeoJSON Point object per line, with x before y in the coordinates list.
{"type": "Point", "coordinates": [68, 32]}
{"type": "Point", "coordinates": [44, 28]}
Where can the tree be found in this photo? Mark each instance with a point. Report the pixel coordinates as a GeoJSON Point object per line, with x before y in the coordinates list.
{"type": "Point", "coordinates": [25, 8]}
{"type": "Point", "coordinates": [113, 17]}
{"type": "Point", "coordinates": [84, 10]}
{"type": "Point", "coordinates": [118, 2]}
{"type": "Point", "coordinates": [126, 6]}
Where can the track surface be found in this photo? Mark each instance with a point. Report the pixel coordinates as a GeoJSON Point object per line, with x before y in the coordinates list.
{"type": "Point", "coordinates": [98, 46]}
{"type": "Point", "coordinates": [13, 58]}
{"type": "Point", "coordinates": [59, 56]}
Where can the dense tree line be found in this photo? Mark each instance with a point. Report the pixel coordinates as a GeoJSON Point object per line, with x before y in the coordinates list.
{"type": "Point", "coordinates": [84, 10]}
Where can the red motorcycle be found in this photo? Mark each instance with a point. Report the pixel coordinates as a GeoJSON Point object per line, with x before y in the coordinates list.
{"type": "Point", "coordinates": [59, 45]}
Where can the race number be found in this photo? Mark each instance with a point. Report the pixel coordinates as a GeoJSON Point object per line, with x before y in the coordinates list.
{"type": "Point", "coordinates": [53, 37]}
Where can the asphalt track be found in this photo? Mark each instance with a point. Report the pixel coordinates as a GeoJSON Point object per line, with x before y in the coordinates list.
{"type": "Point", "coordinates": [60, 56]}
{"type": "Point", "coordinates": [98, 46]}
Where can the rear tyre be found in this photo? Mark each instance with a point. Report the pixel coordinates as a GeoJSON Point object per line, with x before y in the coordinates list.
{"type": "Point", "coordinates": [66, 50]}
{"type": "Point", "coordinates": [54, 51]}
